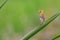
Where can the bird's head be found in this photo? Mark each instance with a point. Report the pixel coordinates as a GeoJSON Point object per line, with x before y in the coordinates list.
{"type": "Point", "coordinates": [41, 12]}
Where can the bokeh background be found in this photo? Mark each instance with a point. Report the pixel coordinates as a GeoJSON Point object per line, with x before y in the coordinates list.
{"type": "Point", "coordinates": [19, 17]}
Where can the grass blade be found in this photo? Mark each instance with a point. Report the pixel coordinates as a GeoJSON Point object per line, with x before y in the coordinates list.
{"type": "Point", "coordinates": [56, 37]}
{"type": "Point", "coordinates": [29, 35]}
{"type": "Point", "coordinates": [3, 4]}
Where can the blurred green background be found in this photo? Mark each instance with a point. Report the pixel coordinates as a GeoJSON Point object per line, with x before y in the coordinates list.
{"type": "Point", "coordinates": [18, 17]}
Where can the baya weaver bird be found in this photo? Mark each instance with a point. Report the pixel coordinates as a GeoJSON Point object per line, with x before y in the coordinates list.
{"type": "Point", "coordinates": [42, 16]}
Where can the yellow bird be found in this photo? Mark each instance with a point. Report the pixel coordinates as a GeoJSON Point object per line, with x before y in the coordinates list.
{"type": "Point", "coordinates": [42, 16]}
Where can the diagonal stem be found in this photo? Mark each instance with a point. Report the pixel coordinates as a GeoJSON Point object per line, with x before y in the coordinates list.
{"type": "Point", "coordinates": [56, 37]}
{"type": "Point", "coordinates": [31, 34]}
{"type": "Point", "coordinates": [3, 4]}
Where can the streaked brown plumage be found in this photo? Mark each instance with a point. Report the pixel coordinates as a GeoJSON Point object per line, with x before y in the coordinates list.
{"type": "Point", "coordinates": [42, 16]}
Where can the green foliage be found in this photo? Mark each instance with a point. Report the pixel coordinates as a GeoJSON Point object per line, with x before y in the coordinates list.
{"type": "Point", "coordinates": [19, 15]}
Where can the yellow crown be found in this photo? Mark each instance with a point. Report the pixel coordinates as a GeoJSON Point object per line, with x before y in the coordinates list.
{"type": "Point", "coordinates": [41, 11]}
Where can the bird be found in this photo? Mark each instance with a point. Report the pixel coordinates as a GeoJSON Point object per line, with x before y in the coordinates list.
{"type": "Point", "coordinates": [42, 16]}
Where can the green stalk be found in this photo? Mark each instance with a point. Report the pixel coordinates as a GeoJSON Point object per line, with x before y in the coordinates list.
{"type": "Point", "coordinates": [56, 37]}
{"type": "Point", "coordinates": [3, 4]}
{"type": "Point", "coordinates": [31, 34]}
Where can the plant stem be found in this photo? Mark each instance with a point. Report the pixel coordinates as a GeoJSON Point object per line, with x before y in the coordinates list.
{"type": "Point", "coordinates": [29, 35]}
{"type": "Point", "coordinates": [3, 4]}
{"type": "Point", "coordinates": [56, 37]}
